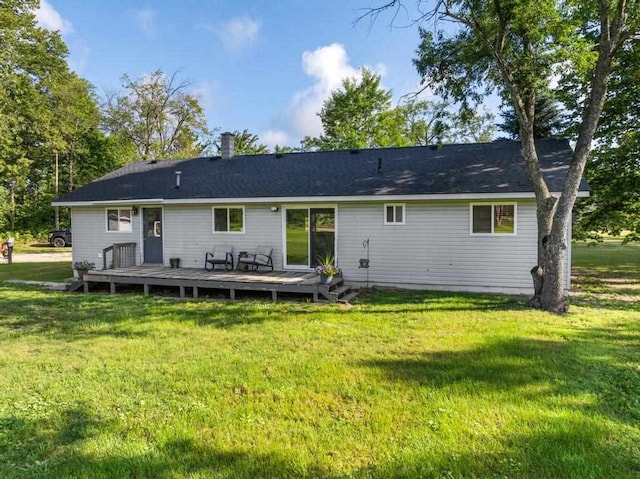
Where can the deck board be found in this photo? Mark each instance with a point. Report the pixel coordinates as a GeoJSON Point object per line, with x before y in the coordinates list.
{"type": "Point", "coordinates": [273, 281]}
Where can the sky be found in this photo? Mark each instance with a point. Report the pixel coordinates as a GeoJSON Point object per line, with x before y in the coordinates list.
{"type": "Point", "coordinates": [265, 66]}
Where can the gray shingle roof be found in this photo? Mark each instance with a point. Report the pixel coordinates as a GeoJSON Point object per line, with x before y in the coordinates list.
{"type": "Point", "coordinates": [452, 169]}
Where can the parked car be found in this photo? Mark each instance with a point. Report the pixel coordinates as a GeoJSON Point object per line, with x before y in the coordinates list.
{"type": "Point", "coordinates": [60, 238]}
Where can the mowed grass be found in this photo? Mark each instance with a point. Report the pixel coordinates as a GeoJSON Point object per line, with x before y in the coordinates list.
{"type": "Point", "coordinates": [403, 385]}
{"type": "Point", "coordinates": [50, 271]}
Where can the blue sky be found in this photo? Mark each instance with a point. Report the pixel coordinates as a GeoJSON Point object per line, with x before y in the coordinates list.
{"type": "Point", "coordinates": [264, 66]}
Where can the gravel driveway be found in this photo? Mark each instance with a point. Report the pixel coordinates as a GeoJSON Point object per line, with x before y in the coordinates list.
{"type": "Point", "coordinates": [39, 257]}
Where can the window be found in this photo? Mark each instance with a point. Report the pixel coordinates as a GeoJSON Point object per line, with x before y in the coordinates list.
{"type": "Point", "coordinates": [119, 220]}
{"type": "Point", "coordinates": [228, 220]}
{"type": "Point", "coordinates": [394, 214]}
{"type": "Point", "coordinates": [493, 219]}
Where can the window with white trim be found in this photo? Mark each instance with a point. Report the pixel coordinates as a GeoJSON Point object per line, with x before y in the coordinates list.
{"type": "Point", "coordinates": [394, 214]}
{"type": "Point", "coordinates": [493, 219]}
{"type": "Point", "coordinates": [228, 219]}
{"type": "Point", "coordinates": [119, 220]}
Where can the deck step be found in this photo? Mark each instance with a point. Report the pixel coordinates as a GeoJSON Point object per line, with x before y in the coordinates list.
{"type": "Point", "coordinates": [341, 290]}
{"type": "Point", "coordinates": [347, 298]}
{"type": "Point", "coordinates": [76, 285]}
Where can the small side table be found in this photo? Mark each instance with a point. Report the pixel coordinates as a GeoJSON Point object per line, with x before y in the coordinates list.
{"type": "Point", "coordinates": [242, 266]}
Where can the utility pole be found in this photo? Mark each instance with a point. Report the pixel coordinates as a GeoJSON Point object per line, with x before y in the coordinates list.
{"type": "Point", "coordinates": [56, 188]}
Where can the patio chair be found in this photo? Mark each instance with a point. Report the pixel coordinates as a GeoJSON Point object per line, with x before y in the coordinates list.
{"type": "Point", "coordinates": [222, 254]}
{"type": "Point", "coordinates": [262, 257]}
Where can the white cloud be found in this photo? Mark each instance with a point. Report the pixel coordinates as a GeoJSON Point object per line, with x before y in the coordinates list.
{"type": "Point", "coordinates": [239, 32]}
{"type": "Point", "coordinates": [327, 66]}
{"type": "Point", "coordinates": [273, 138]}
{"type": "Point", "coordinates": [47, 17]}
{"type": "Point", "coordinates": [146, 20]}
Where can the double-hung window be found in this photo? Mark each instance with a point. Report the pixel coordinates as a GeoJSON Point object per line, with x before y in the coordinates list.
{"type": "Point", "coordinates": [228, 219]}
{"type": "Point", "coordinates": [394, 214]}
{"type": "Point", "coordinates": [119, 220]}
{"type": "Point", "coordinates": [493, 219]}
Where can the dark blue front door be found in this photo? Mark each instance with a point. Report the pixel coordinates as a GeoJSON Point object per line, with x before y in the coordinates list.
{"type": "Point", "coordinates": [152, 235]}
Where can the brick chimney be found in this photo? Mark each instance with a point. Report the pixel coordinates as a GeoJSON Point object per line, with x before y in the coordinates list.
{"type": "Point", "coordinates": [226, 147]}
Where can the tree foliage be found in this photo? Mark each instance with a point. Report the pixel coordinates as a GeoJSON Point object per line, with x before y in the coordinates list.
{"type": "Point", "coordinates": [548, 119]}
{"type": "Point", "coordinates": [45, 110]}
{"type": "Point", "coordinates": [361, 115]}
{"type": "Point", "coordinates": [613, 170]}
{"type": "Point", "coordinates": [246, 143]}
{"type": "Point", "coordinates": [515, 48]}
{"type": "Point", "coordinates": [158, 117]}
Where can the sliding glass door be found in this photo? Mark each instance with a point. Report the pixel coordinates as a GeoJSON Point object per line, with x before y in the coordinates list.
{"type": "Point", "coordinates": [310, 236]}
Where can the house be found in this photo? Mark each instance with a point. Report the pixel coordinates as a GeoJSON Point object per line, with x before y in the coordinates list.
{"type": "Point", "coordinates": [453, 217]}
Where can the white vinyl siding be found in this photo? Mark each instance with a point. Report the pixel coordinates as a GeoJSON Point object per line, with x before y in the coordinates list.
{"type": "Point", "coordinates": [435, 250]}
{"type": "Point", "coordinates": [90, 236]}
{"type": "Point", "coordinates": [188, 233]}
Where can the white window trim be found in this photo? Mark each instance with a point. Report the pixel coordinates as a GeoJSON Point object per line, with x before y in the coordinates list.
{"type": "Point", "coordinates": [118, 209]}
{"type": "Point", "coordinates": [227, 207]}
{"type": "Point", "coordinates": [404, 214]}
{"type": "Point", "coordinates": [493, 204]}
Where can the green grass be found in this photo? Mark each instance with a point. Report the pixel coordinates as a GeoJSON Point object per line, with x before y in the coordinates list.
{"type": "Point", "coordinates": [403, 385]}
{"type": "Point", "coordinates": [52, 271]}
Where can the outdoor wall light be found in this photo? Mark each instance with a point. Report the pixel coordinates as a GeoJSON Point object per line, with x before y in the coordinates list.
{"type": "Point", "coordinates": [134, 210]}
{"type": "Point", "coordinates": [274, 209]}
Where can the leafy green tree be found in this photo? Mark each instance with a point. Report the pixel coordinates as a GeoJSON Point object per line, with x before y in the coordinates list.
{"type": "Point", "coordinates": [246, 143]}
{"type": "Point", "coordinates": [158, 117]}
{"type": "Point", "coordinates": [515, 47]}
{"type": "Point", "coordinates": [356, 116]}
{"type": "Point", "coordinates": [548, 120]}
{"type": "Point", "coordinates": [613, 170]}
{"type": "Point", "coordinates": [360, 115]}
{"type": "Point", "coordinates": [32, 62]}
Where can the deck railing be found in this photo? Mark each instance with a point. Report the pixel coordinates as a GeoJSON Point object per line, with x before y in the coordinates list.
{"type": "Point", "coordinates": [119, 255]}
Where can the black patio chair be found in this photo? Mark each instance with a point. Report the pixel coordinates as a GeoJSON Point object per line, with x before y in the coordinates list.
{"type": "Point", "coordinates": [222, 254]}
{"type": "Point", "coordinates": [261, 257]}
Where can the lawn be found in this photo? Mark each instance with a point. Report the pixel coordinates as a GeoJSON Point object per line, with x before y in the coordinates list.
{"type": "Point", "coordinates": [51, 271]}
{"type": "Point", "coordinates": [403, 385]}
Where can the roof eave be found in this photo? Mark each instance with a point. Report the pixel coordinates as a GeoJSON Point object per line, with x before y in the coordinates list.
{"type": "Point", "coordinates": [312, 199]}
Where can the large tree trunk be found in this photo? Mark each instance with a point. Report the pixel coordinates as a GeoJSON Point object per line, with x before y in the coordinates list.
{"type": "Point", "coordinates": [553, 291]}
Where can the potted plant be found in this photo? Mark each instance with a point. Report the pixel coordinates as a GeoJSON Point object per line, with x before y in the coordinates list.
{"type": "Point", "coordinates": [82, 267]}
{"type": "Point", "coordinates": [327, 269]}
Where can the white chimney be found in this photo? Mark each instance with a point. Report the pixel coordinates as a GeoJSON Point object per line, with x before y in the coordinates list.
{"type": "Point", "coordinates": [226, 148]}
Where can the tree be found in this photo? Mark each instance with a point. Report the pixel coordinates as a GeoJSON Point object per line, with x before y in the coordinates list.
{"type": "Point", "coordinates": [32, 63]}
{"type": "Point", "coordinates": [46, 111]}
{"type": "Point", "coordinates": [548, 119]}
{"type": "Point", "coordinates": [360, 115]}
{"type": "Point", "coordinates": [356, 116]}
{"type": "Point", "coordinates": [613, 170]}
{"type": "Point", "coordinates": [516, 47]}
{"type": "Point", "coordinates": [246, 143]}
{"type": "Point", "coordinates": [158, 117]}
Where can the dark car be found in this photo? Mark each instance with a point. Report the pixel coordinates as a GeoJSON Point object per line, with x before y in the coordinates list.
{"type": "Point", "coordinates": [60, 238]}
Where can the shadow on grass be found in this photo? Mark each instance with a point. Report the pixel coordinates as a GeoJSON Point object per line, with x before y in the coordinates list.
{"type": "Point", "coordinates": [53, 447]}
{"type": "Point", "coordinates": [57, 447]}
{"type": "Point", "coordinates": [78, 316]}
{"type": "Point", "coordinates": [383, 300]}
{"type": "Point", "coordinates": [552, 377]}
{"type": "Point", "coordinates": [585, 363]}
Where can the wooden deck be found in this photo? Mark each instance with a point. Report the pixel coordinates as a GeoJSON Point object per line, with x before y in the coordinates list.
{"type": "Point", "coordinates": [303, 282]}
